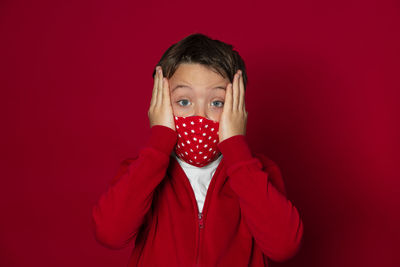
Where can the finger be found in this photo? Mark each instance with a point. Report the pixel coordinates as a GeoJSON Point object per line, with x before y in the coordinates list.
{"type": "Point", "coordinates": [154, 94]}
{"type": "Point", "coordinates": [228, 99]}
{"type": "Point", "coordinates": [160, 86]}
{"type": "Point", "coordinates": [241, 90]}
{"type": "Point", "coordinates": [235, 92]}
{"type": "Point", "coordinates": [166, 91]}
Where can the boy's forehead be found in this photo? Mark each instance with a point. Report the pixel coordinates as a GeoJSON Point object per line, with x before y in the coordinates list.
{"type": "Point", "coordinates": [189, 75]}
{"type": "Point", "coordinates": [185, 87]}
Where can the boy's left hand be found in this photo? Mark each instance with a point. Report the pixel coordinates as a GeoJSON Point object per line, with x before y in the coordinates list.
{"type": "Point", "coordinates": [233, 118]}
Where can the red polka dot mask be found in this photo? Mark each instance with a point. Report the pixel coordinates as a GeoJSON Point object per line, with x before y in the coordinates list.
{"type": "Point", "coordinates": [197, 140]}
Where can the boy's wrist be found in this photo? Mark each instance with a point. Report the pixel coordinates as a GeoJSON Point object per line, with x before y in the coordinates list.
{"type": "Point", "coordinates": [236, 153]}
{"type": "Point", "coordinates": [235, 149]}
{"type": "Point", "coordinates": [162, 138]}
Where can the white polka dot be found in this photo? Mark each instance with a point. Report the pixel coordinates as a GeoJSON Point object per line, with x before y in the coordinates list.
{"type": "Point", "coordinates": [184, 125]}
{"type": "Point", "coordinates": [206, 126]}
{"type": "Point", "coordinates": [176, 117]}
{"type": "Point", "coordinates": [212, 129]}
{"type": "Point", "coordinates": [179, 135]}
{"type": "Point", "coordinates": [177, 127]}
{"type": "Point", "coordinates": [205, 157]}
{"type": "Point", "coordinates": [188, 142]}
{"type": "Point", "coordinates": [192, 122]}
{"type": "Point", "coordinates": [200, 141]}
{"type": "Point", "coordinates": [191, 150]}
{"type": "Point", "coordinates": [197, 146]}
{"type": "Point", "coordinates": [204, 134]}
{"type": "Point", "coordinates": [209, 137]}
{"type": "Point", "coordinates": [205, 145]}
{"type": "Point", "coordinates": [214, 152]}
{"type": "Point", "coordinates": [186, 153]}
{"type": "Point", "coordinates": [190, 160]}
{"type": "Point", "coordinates": [215, 140]}
{"type": "Point", "coordinates": [200, 152]}
{"type": "Point", "coordinates": [195, 157]}
{"type": "Point", "coordinates": [178, 146]}
{"type": "Point", "coordinates": [210, 149]}
{"type": "Point", "coordinates": [192, 131]}
{"type": "Point", "coordinates": [186, 133]}
{"type": "Point", "coordinates": [194, 138]}
{"type": "Point", "coordinates": [182, 144]}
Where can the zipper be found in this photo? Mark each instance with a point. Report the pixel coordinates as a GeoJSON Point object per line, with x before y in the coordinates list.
{"type": "Point", "coordinates": [201, 215]}
{"type": "Point", "coordinates": [201, 226]}
{"type": "Point", "coordinates": [200, 221]}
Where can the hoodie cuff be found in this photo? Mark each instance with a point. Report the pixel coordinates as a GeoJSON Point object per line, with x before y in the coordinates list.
{"type": "Point", "coordinates": [236, 152]}
{"type": "Point", "coordinates": [162, 138]}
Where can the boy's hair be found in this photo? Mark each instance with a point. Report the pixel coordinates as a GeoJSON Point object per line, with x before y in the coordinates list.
{"type": "Point", "coordinates": [199, 48]}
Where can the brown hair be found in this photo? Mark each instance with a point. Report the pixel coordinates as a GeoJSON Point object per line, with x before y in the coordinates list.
{"type": "Point", "coordinates": [199, 48]}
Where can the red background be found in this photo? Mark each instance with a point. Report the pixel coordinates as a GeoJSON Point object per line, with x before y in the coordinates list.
{"type": "Point", "coordinates": [323, 87]}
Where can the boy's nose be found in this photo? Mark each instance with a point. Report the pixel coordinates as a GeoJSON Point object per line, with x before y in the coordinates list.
{"type": "Point", "coordinates": [200, 112]}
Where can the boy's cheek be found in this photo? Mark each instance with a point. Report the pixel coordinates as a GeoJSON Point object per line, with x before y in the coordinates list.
{"type": "Point", "coordinates": [179, 112]}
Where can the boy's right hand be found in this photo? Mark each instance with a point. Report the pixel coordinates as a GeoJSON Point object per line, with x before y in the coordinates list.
{"type": "Point", "coordinates": [160, 111]}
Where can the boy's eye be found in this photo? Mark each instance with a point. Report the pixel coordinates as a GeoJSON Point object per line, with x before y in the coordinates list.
{"type": "Point", "coordinates": [221, 105]}
{"type": "Point", "coordinates": [185, 100]}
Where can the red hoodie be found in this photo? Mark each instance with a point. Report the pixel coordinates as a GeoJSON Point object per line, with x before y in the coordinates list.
{"type": "Point", "coordinates": [246, 216]}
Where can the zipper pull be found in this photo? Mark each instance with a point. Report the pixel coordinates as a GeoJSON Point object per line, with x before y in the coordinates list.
{"type": "Point", "coordinates": [201, 222]}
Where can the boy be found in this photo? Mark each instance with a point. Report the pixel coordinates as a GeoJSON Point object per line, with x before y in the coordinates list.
{"type": "Point", "coordinates": [195, 195]}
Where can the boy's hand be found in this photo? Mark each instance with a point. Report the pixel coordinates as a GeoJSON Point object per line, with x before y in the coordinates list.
{"type": "Point", "coordinates": [160, 111]}
{"type": "Point", "coordinates": [234, 115]}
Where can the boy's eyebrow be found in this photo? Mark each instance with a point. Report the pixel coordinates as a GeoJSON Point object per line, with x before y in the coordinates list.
{"type": "Point", "coordinates": [180, 86]}
{"type": "Point", "coordinates": [185, 86]}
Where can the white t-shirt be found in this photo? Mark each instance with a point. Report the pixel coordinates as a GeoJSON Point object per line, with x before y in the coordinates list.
{"type": "Point", "coordinates": [199, 177]}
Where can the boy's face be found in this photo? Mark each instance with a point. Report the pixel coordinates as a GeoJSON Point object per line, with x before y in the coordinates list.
{"type": "Point", "coordinates": [197, 90]}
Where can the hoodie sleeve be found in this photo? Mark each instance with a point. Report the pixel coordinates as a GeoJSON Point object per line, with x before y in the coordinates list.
{"type": "Point", "coordinates": [272, 219]}
{"type": "Point", "coordinates": [122, 209]}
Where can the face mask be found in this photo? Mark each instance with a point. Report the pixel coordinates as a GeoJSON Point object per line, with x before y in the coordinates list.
{"type": "Point", "coordinates": [197, 140]}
